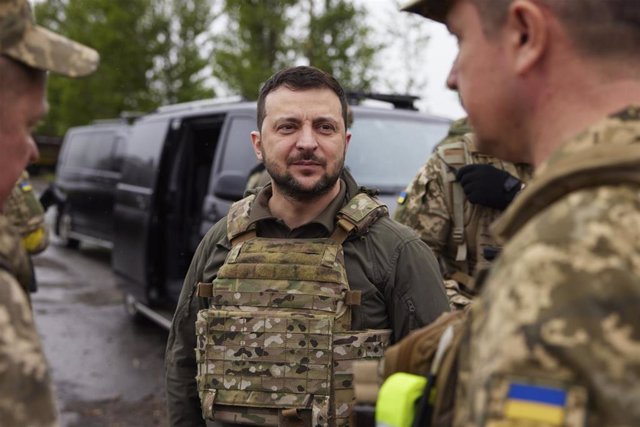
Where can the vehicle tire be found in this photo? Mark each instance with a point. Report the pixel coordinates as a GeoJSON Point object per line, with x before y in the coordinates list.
{"type": "Point", "coordinates": [63, 227]}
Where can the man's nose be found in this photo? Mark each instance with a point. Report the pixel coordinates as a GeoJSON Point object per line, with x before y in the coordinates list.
{"type": "Point", "coordinates": [307, 139]}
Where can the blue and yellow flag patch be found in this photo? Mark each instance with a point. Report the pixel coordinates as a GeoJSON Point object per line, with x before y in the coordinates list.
{"type": "Point", "coordinates": [536, 403]}
{"type": "Point", "coordinates": [25, 186]}
{"type": "Point", "coordinates": [402, 197]}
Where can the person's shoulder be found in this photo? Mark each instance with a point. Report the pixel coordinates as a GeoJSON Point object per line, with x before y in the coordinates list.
{"type": "Point", "coordinates": [591, 232]}
{"type": "Point", "coordinates": [391, 232]}
{"type": "Point", "coordinates": [584, 212]}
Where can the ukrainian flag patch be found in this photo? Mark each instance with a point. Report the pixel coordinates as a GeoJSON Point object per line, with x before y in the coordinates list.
{"type": "Point", "coordinates": [402, 197]}
{"type": "Point", "coordinates": [536, 403]}
{"type": "Point", "coordinates": [25, 186]}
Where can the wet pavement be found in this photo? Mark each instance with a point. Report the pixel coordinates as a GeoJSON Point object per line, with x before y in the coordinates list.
{"type": "Point", "coordinates": [107, 370]}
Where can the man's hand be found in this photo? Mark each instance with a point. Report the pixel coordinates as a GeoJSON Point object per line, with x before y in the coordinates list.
{"type": "Point", "coordinates": [488, 186]}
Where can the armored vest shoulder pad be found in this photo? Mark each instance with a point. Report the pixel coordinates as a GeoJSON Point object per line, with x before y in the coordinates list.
{"type": "Point", "coordinates": [362, 211]}
{"type": "Point", "coordinates": [238, 217]}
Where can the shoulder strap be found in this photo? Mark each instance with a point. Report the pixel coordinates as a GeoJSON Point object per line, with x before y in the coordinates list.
{"type": "Point", "coordinates": [454, 155]}
{"type": "Point", "coordinates": [357, 216]}
{"type": "Point", "coordinates": [239, 228]}
{"type": "Point", "coordinates": [599, 166]}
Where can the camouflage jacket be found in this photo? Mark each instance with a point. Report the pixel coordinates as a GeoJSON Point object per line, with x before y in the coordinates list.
{"type": "Point", "coordinates": [396, 272]}
{"type": "Point", "coordinates": [25, 212]}
{"type": "Point", "coordinates": [555, 334]}
{"type": "Point", "coordinates": [26, 396]}
{"type": "Point", "coordinates": [427, 207]}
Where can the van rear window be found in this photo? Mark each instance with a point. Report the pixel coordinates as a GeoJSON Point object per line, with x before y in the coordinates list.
{"type": "Point", "coordinates": [90, 150]}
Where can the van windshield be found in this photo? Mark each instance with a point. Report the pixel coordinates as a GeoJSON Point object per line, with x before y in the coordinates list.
{"type": "Point", "coordinates": [386, 152]}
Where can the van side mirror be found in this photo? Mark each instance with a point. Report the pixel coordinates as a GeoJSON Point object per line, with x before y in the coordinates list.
{"type": "Point", "coordinates": [230, 185]}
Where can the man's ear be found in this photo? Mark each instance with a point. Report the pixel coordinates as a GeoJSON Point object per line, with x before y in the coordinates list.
{"type": "Point", "coordinates": [528, 29]}
{"type": "Point", "coordinates": [256, 141]}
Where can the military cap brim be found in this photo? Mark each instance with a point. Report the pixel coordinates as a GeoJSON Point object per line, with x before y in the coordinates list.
{"type": "Point", "coordinates": [40, 48]}
{"type": "Point", "coordinates": [433, 9]}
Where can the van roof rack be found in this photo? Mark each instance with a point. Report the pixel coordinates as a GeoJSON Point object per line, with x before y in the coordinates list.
{"type": "Point", "coordinates": [127, 117]}
{"type": "Point", "coordinates": [402, 102]}
{"type": "Point", "coordinates": [203, 103]}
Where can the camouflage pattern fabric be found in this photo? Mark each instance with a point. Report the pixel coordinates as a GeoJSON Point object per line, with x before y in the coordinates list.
{"type": "Point", "coordinates": [258, 178]}
{"type": "Point", "coordinates": [22, 40]}
{"type": "Point", "coordinates": [26, 214]}
{"type": "Point", "coordinates": [26, 397]}
{"type": "Point", "coordinates": [276, 338]}
{"type": "Point", "coordinates": [427, 207]}
{"type": "Point", "coordinates": [559, 310]}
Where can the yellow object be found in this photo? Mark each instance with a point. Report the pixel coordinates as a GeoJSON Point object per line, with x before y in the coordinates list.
{"type": "Point", "coordinates": [550, 414]}
{"type": "Point", "coordinates": [33, 240]}
{"type": "Point", "coordinates": [397, 399]}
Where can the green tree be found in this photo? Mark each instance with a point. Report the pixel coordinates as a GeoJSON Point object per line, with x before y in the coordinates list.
{"type": "Point", "coordinates": [253, 44]}
{"type": "Point", "coordinates": [182, 71]}
{"type": "Point", "coordinates": [263, 36]}
{"type": "Point", "coordinates": [148, 56]}
{"type": "Point", "coordinates": [339, 42]}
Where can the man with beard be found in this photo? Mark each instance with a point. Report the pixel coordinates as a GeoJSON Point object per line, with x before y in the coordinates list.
{"type": "Point", "coordinates": [297, 281]}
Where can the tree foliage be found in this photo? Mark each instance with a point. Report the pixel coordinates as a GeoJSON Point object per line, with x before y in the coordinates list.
{"type": "Point", "coordinates": [148, 56]}
{"type": "Point", "coordinates": [262, 36]}
{"type": "Point", "coordinates": [339, 42]}
{"type": "Point", "coordinates": [253, 44]}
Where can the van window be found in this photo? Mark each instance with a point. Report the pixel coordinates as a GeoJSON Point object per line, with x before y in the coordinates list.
{"type": "Point", "coordinates": [90, 150]}
{"type": "Point", "coordinates": [238, 153]}
{"type": "Point", "coordinates": [385, 153]}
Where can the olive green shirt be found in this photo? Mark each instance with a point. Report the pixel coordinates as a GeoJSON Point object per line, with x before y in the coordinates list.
{"type": "Point", "coordinates": [396, 272]}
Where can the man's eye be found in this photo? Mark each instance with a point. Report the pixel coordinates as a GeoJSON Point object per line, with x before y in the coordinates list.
{"type": "Point", "coordinates": [326, 128]}
{"type": "Point", "coordinates": [286, 128]}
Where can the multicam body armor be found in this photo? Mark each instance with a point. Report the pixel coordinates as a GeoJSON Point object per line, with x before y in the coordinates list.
{"type": "Point", "coordinates": [275, 346]}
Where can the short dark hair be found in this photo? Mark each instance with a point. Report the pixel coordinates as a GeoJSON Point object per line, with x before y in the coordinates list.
{"type": "Point", "coordinates": [597, 27]}
{"type": "Point", "coordinates": [301, 78]}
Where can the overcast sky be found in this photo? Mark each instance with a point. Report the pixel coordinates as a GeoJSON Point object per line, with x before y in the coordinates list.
{"type": "Point", "coordinates": [434, 62]}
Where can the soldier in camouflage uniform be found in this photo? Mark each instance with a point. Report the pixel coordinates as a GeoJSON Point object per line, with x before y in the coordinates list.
{"type": "Point", "coordinates": [26, 51]}
{"type": "Point", "coordinates": [452, 202]}
{"type": "Point", "coordinates": [554, 338]}
{"type": "Point", "coordinates": [298, 281]}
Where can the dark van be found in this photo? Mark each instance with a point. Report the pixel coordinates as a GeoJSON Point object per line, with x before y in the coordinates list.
{"type": "Point", "coordinates": [186, 164]}
{"type": "Point", "coordinates": [87, 173]}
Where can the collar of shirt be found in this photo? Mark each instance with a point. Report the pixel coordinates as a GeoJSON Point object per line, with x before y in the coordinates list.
{"type": "Point", "coordinates": [268, 225]}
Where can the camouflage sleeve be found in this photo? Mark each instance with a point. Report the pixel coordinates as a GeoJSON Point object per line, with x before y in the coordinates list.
{"type": "Point", "coordinates": [424, 207]}
{"type": "Point", "coordinates": [555, 337]}
{"type": "Point", "coordinates": [183, 403]}
{"type": "Point", "coordinates": [26, 395]}
{"type": "Point", "coordinates": [25, 212]}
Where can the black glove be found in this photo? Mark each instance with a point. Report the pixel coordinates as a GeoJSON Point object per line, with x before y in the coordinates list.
{"type": "Point", "coordinates": [488, 186]}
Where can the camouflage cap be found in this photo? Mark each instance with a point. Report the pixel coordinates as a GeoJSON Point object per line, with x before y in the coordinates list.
{"type": "Point", "coordinates": [26, 42]}
{"type": "Point", "coordinates": [432, 9]}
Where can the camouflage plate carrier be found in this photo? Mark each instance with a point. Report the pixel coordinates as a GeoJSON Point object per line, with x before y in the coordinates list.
{"type": "Point", "coordinates": [275, 346]}
{"type": "Point", "coordinates": [470, 223]}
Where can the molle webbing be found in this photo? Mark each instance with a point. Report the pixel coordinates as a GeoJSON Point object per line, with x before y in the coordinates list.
{"type": "Point", "coordinates": [275, 346]}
